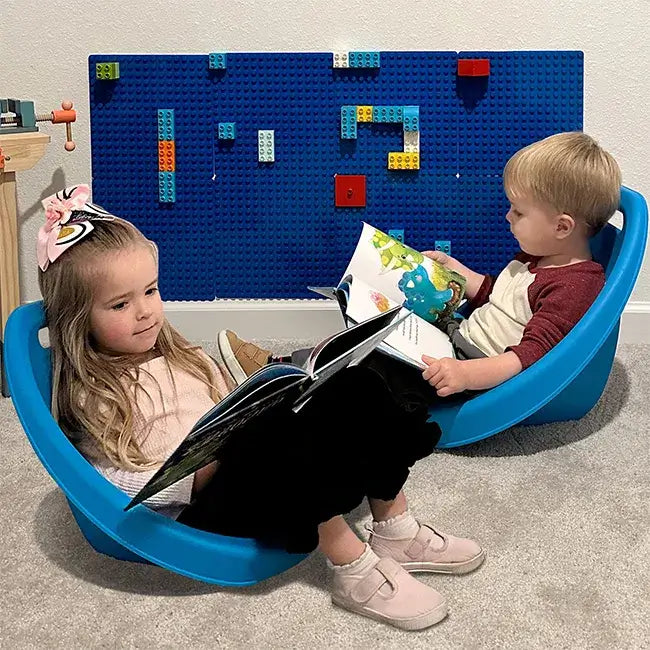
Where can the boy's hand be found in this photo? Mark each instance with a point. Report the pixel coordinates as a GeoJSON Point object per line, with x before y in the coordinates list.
{"type": "Point", "coordinates": [437, 256]}
{"type": "Point", "coordinates": [447, 376]}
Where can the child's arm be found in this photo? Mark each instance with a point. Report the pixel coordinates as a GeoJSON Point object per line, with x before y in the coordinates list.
{"type": "Point", "coordinates": [449, 376]}
{"type": "Point", "coordinates": [474, 280]}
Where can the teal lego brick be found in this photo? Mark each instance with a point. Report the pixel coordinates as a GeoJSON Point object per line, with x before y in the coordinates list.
{"type": "Point", "coordinates": [443, 245]}
{"type": "Point", "coordinates": [167, 187]}
{"type": "Point", "coordinates": [392, 114]}
{"type": "Point", "coordinates": [348, 122]}
{"type": "Point", "coordinates": [364, 59]}
{"type": "Point", "coordinates": [411, 118]}
{"type": "Point", "coordinates": [217, 61]}
{"type": "Point", "coordinates": [166, 129]}
{"type": "Point", "coordinates": [227, 131]}
{"type": "Point", "coordinates": [397, 233]}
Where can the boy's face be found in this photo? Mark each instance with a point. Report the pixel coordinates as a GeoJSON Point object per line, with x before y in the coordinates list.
{"type": "Point", "coordinates": [127, 314]}
{"type": "Point", "coordinates": [538, 228]}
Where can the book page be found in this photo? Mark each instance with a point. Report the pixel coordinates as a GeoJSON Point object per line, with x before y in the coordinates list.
{"type": "Point", "coordinates": [412, 338]}
{"type": "Point", "coordinates": [405, 276]}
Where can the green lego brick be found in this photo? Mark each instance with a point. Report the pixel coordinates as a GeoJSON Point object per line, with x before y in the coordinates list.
{"type": "Point", "coordinates": [108, 71]}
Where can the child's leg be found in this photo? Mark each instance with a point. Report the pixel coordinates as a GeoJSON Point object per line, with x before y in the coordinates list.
{"type": "Point", "coordinates": [374, 587]}
{"type": "Point", "coordinates": [395, 533]}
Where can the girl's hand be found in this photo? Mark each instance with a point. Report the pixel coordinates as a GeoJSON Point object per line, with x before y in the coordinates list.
{"type": "Point", "coordinates": [447, 376]}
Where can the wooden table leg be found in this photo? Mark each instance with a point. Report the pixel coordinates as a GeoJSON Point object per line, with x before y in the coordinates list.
{"type": "Point", "coordinates": [9, 288]}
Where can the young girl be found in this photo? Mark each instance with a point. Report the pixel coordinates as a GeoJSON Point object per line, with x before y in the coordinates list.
{"type": "Point", "coordinates": [127, 388]}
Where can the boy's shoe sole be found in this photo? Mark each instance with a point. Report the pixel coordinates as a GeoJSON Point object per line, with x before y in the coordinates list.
{"type": "Point", "coordinates": [455, 568]}
{"type": "Point", "coordinates": [419, 622]}
{"type": "Point", "coordinates": [229, 358]}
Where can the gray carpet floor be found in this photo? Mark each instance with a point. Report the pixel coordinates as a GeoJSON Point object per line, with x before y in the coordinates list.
{"type": "Point", "coordinates": [563, 511]}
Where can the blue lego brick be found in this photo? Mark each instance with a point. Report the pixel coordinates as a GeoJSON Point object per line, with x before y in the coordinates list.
{"type": "Point", "coordinates": [387, 113]}
{"type": "Point", "coordinates": [167, 187]}
{"type": "Point", "coordinates": [443, 245]}
{"type": "Point", "coordinates": [227, 131]}
{"type": "Point", "coordinates": [217, 61]}
{"type": "Point", "coordinates": [166, 128]}
{"type": "Point", "coordinates": [397, 233]}
{"type": "Point", "coordinates": [348, 122]}
{"type": "Point", "coordinates": [411, 118]}
{"type": "Point", "coordinates": [528, 96]}
{"type": "Point", "coordinates": [286, 208]}
{"type": "Point", "coordinates": [364, 59]}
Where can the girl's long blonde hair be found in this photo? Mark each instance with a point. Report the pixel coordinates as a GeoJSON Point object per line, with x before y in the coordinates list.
{"type": "Point", "coordinates": [93, 393]}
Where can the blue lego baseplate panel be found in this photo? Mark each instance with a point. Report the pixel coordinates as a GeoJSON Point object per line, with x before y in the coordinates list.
{"type": "Point", "coordinates": [240, 228]}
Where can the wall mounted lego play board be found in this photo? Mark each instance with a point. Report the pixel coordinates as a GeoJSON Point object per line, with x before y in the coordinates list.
{"type": "Point", "coordinates": [228, 161]}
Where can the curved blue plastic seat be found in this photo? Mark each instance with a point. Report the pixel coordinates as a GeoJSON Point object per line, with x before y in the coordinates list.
{"type": "Point", "coordinates": [565, 384]}
{"type": "Point", "coordinates": [141, 534]}
{"type": "Point", "coordinates": [568, 381]}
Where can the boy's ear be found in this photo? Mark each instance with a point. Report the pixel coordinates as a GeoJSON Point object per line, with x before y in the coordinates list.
{"type": "Point", "coordinates": [564, 225]}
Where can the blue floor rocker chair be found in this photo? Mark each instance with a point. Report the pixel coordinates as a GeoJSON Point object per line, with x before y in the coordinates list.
{"type": "Point", "coordinates": [564, 385]}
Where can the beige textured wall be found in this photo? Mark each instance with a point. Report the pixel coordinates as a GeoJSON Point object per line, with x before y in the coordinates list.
{"type": "Point", "coordinates": [44, 47]}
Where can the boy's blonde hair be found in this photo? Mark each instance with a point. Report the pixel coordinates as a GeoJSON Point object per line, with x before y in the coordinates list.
{"type": "Point", "coordinates": [94, 393]}
{"type": "Point", "coordinates": [570, 173]}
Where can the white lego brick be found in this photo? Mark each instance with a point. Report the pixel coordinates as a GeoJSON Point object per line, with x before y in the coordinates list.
{"type": "Point", "coordinates": [340, 60]}
{"type": "Point", "coordinates": [266, 145]}
{"type": "Point", "coordinates": [412, 141]}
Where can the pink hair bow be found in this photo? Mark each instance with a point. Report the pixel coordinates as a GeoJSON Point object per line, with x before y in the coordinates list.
{"type": "Point", "coordinates": [61, 230]}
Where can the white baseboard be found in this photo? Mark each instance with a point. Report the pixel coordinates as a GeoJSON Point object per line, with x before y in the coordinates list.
{"type": "Point", "coordinates": [635, 323]}
{"type": "Point", "coordinates": [314, 319]}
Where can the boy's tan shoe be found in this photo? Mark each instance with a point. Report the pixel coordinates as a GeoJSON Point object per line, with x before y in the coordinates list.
{"type": "Point", "coordinates": [240, 357]}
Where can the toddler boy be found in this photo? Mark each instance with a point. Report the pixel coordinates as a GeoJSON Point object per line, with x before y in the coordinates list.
{"type": "Point", "coordinates": [562, 191]}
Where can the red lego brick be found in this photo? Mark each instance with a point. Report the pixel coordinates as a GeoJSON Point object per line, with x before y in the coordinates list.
{"type": "Point", "coordinates": [473, 67]}
{"type": "Point", "coordinates": [349, 191]}
{"type": "Point", "coordinates": [2, 159]}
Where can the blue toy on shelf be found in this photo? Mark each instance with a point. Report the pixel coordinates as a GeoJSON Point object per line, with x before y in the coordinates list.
{"type": "Point", "coordinates": [565, 384]}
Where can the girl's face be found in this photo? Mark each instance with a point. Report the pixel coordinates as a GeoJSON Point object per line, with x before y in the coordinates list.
{"type": "Point", "coordinates": [127, 314]}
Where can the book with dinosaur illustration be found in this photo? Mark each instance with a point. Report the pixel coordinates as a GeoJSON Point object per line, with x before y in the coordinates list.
{"type": "Point", "coordinates": [383, 273]}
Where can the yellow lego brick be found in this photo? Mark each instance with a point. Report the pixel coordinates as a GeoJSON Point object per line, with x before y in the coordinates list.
{"type": "Point", "coordinates": [403, 160]}
{"type": "Point", "coordinates": [364, 113]}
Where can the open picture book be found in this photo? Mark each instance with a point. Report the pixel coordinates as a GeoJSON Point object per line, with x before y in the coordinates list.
{"type": "Point", "coordinates": [384, 273]}
{"type": "Point", "coordinates": [275, 386]}
{"type": "Point", "coordinates": [390, 296]}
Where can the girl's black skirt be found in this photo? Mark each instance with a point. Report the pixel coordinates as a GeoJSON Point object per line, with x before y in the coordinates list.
{"type": "Point", "coordinates": [287, 472]}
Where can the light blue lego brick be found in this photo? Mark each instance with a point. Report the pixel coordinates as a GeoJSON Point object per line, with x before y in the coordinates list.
{"type": "Point", "coordinates": [166, 129]}
{"type": "Point", "coordinates": [167, 187]}
{"type": "Point", "coordinates": [217, 61]}
{"type": "Point", "coordinates": [227, 131]}
{"type": "Point", "coordinates": [411, 118]}
{"type": "Point", "coordinates": [364, 59]}
{"type": "Point", "coordinates": [348, 122]}
{"type": "Point", "coordinates": [266, 145]}
{"type": "Point", "coordinates": [444, 245]}
{"type": "Point", "coordinates": [393, 114]}
{"type": "Point", "coordinates": [397, 233]}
